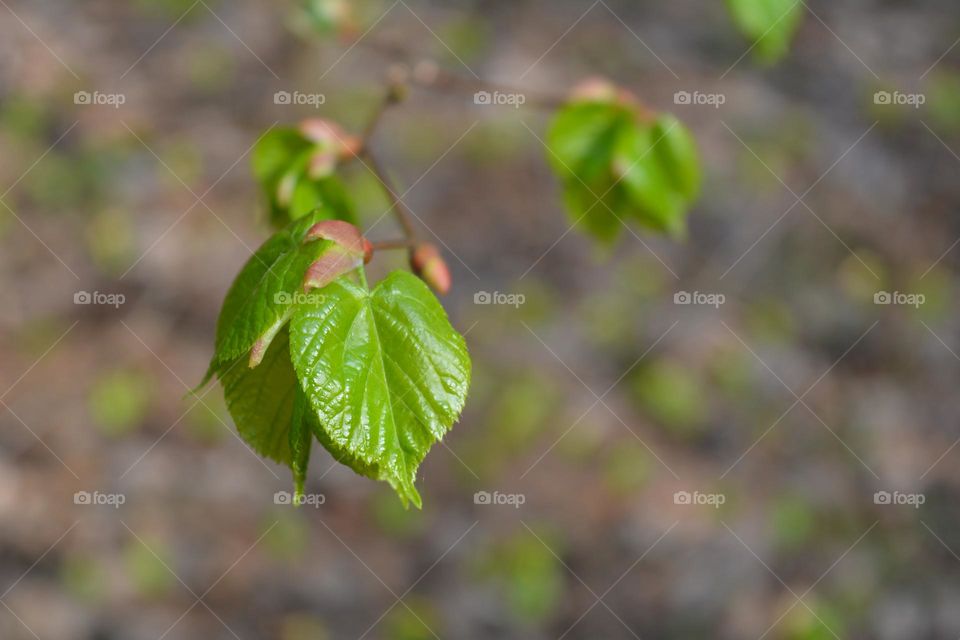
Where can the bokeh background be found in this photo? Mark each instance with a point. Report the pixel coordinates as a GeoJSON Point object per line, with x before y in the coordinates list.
{"type": "Point", "coordinates": [594, 401]}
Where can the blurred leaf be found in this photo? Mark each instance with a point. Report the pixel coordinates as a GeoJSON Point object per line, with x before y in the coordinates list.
{"type": "Point", "coordinates": [793, 520]}
{"type": "Point", "coordinates": [730, 369]}
{"type": "Point", "coordinates": [618, 163]}
{"type": "Point", "coordinates": [119, 401]}
{"type": "Point", "coordinates": [110, 240]}
{"type": "Point", "coordinates": [628, 468]}
{"type": "Point", "coordinates": [608, 317]}
{"type": "Point", "coordinates": [521, 406]}
{"type": "Point", "coordinates": [24, 118]}
{"type": "Point", "coordinates": [303, 627]}
{"type": "Point", "coordinates": [672, 395]}
{"type": "Point", "coordinates": [944, 102]}
{"type": "Point", "coordinates": [936, 287]}
{"type": "Point", "coordinates": [183, 162]}
{"type": "Point", "coordinates": [84, 577]}
{"type": "Point", "coordinates": [816, 621]}
{"type": "Point", "coordinates": [522, 412]}
{"type": "Point", "coordinates": [288, 540]}
{"type": "Point", "coordinates": [281, 162]}
{"type": "Point", "coordinates": [857, 279]}
{"type": "Point", "coordinates": [393, 519]}
{"type": "Point", "coordinates": [174, 9]}
{"type": "Point", "coordinates": [212, 68]}
{"type": "Point", "coordinates": [145, 567]}
{"type": "Point", "coordinates": [59, 182]}
{"type": "Point", "coordinates": [326, 17]}
{"type": "Point", "coordinates": [530, 577]}
{"type": "Point", "coordinates": [769, 24]}
{"type": "Point", "coordinates": [468, 37]}
{"type": "Point", "coordinates": [421, 621]}
{"type": "Point", "coordinates": [771, 319]}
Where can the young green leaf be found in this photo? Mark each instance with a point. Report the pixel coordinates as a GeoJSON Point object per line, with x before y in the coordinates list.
{"type": "Point", "coordinates": [262, 296]}
{"type": "Point", "coordinates": [385, 372]}
{"type": "Point", "coordinates": [294, 168]}
{"type": "Point", "coordinates": [261, 400]}
{"type": "Point", "coordinates": [617, 162]}
{"type": "Point", "coordinates": [769, 24]}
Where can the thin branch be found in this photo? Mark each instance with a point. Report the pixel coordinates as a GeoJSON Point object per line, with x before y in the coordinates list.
{"type": "Point", "coordinates": [428, 75]}
{"type": "Point", "coordinates": [403, 215]}
{"type": "Point", "coordinates": [398, 243]}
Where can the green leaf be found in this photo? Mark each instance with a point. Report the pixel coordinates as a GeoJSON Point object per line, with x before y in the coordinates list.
{"type": "Point", "coordinates": [328, 193]}
{"type": "Point", "coordinates": [618, 164]}
{"type": "Point", "coordinates": [262, 296]}
{"type": "Point", "coordinates": [301, 428]}
{"type": "Point", "coordinates": [385, 372]}
{"type": "Point", "coordinates": [769, 24]}
{"type": "Point", "coordinates": [281, 163]}
{"type": "Point", "coordinates": [275, 151]}
{"type": "Point", "coordinates": [676, 152]}
{"type": "Point", "coordinates": [261, 399]}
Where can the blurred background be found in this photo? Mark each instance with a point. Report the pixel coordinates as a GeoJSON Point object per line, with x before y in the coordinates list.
{"type": "Point", "coordinates": [775, 459]}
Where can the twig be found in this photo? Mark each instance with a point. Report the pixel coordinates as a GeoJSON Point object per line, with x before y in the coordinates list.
{"type": "Point", "coordinates": [398, 243]}
{"type": "Point", "coordinates": [428, 75]}
{"type": "Point", "coordinates": [401, 212]}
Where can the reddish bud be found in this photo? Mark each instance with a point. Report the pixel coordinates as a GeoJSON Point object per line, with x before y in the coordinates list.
{"type": "Point", "coordinates": [594, 89]}
{"type": "Point", "coordinates": [330, 266]}
{"type": "Point", "coordinates": [351, 251]}
{"type": "Point", "coordinates": [343, 233]}
{"type": "Point", "coordinates": [330, 136]}
{"type": "Point", "coordinates": [598, 89]}
{"type": "Point", "coordinates": [367, 251]}
{"type": "Point", "coordinates": [426, 262]}
{"type": "Point", "coordinates": [322, 163]}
